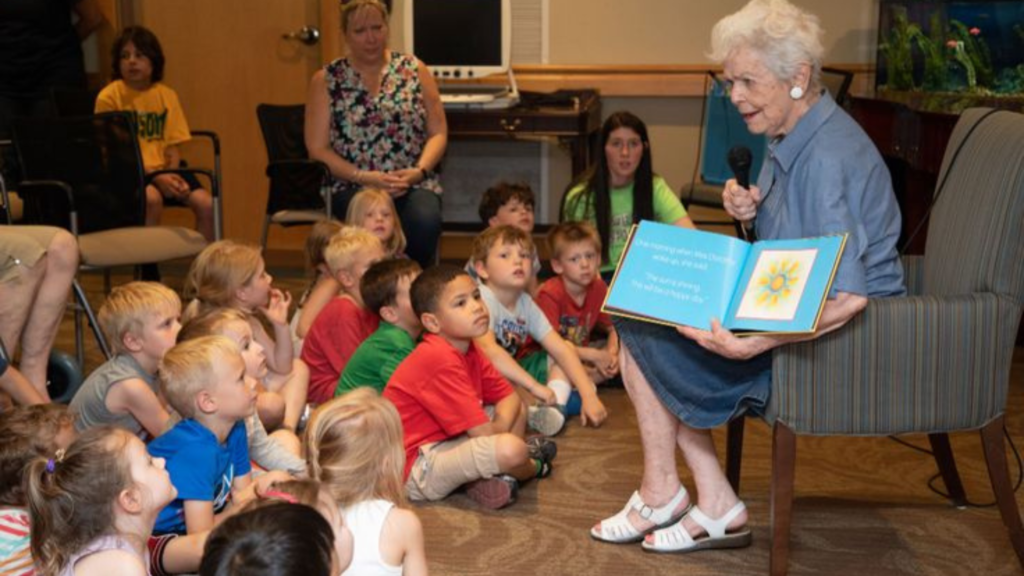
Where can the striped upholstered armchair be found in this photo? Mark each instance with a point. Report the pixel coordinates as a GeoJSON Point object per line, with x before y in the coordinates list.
{"type": "Point", "coordinates": [936, 361]}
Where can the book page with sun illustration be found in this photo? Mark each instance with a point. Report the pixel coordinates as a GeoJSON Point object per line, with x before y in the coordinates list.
{"type": "Point", "coordinates": [777, 284]}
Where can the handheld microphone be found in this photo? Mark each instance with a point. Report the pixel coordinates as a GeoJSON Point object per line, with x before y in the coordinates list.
{"type": "Point", "coordinates": [740, 160]}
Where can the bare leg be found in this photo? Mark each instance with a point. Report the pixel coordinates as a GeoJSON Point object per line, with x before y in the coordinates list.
{"type": "Point", "coordinates": [21, 391]}
{"type": "Point", "coordinates": [48, 309]}
{"type": "Point", "coordinates": [16, 301]}
{"type": "Point", "coordinates": [715, 495]}
{"type": "Point", "coordinates": [658, 430]}
{"type": "Point", "coordinates": [154, 206]}
{"type": "Point", "coordinates": [201, 203]}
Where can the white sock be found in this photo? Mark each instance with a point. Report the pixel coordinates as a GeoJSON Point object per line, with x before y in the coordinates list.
{"type": "Point", "coordinates": [562, 390]}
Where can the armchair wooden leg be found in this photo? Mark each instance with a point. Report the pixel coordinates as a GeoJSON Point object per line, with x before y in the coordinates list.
{"type": "Point", "coordinates": [947, 467]}
{"type": "Point", "coordinates": [734, 452]}
{"type": "Point", "coordinates": [783, 473]}
{"type": "Point", "coordinates": [999, 475]}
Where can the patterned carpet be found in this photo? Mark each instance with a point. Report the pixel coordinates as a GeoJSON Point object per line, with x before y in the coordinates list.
{"type": "Point", "coordinates": [862, 505]}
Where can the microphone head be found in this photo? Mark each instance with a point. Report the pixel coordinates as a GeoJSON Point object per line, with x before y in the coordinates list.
{"type": "Point", "coordinates": [740, 158]}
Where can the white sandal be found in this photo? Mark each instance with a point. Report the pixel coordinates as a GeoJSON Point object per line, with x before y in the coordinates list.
{"type": "Point", "coordinates": [676, 539]}
{"type": "Point", "coordinates": [619, 530]}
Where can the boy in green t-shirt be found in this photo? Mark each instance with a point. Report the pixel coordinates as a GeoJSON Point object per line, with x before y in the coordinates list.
{"type": "Point", "coordinates": [385, 290]}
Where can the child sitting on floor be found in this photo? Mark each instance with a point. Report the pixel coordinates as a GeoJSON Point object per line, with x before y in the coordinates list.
{"type": "Point", "coordinates": [344, 323]}
{"type": "Point", "coordinates": [323, 288]}
{"type": "Point", "coordinates": [508, 204]}
{"type": "Point", "coordinates": [572, 300]}
{"type": "Point", "coordinates": [93, 506]}
{"type": "Point", "coordinates": [462, 422]}
{"type": "Point", "coordinates": [207, 452]}
{"type": "Point", "coordinates": [385, 290]}
{"type": "Point", "coordinates": [277, 539]}
{"type": "Point", "coordinates": [140, 322]}
{"type": "Point", "coordinates": [41, 431]}
{"type": "Point", "coordinates": [227, 274]}
{"type": "Point", "coordinates": [28, 432]}
{"type": "Point", "coordinates": [277, 451]}
{"type": "Point", "coordinates": [354, 447]}
{"type": "Point", "coordinates": [373, 210]}
{"type": "Point", "coordinates": [503, 261]}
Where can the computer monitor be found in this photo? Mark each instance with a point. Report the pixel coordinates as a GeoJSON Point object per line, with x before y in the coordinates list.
{"type": "Point", "coordinates": [460, 39]}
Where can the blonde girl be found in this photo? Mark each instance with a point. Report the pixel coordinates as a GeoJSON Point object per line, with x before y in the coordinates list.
{"type": "Point", "coordinates": [354, 447]}
{"type": "Point", "coordinates": [94, 507]}
{"type": "Point", "coordinates": [277, 451]}
{"type": "Point", "coordinates": [227, 274]}
{"type": "Point", "coordinates": [373, 209]}
{"type": "Point", "coordinates": [324, 286]}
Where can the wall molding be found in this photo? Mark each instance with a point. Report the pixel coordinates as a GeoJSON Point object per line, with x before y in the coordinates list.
{"type": "Point", "coordinates": [642, 80]}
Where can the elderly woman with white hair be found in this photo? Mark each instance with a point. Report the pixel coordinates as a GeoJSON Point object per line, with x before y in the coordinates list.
{"type": "Point", "coordinates": [822, 176]}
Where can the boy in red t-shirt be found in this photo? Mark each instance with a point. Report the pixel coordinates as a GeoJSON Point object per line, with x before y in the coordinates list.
{"type": "Point", "coordinates": [463, 424]}
{"type": "Point", "coordinates": [345, 322]}
{"type": "Point", "coordinates": [572, 300]}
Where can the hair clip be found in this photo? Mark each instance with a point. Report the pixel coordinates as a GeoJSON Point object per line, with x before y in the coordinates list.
{"type": "Point", "coordinates": [51, 463]}
{"type": "Point", "coordinates": [278, 495]}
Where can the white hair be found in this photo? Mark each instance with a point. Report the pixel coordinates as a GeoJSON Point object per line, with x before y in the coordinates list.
{"type": "Point", "coordinates": [784, 35]}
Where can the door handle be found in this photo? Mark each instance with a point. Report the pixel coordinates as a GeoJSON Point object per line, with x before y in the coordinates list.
{"type": "Point", "coordinates": [308, 35]}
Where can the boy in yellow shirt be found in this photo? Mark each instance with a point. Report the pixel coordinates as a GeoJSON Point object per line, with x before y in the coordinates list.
{"type": "Point", "coordinates": [138, 69]}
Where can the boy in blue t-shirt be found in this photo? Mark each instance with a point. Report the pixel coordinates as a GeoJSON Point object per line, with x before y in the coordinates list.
{"type": "Point", "coordinates": [207, 453]}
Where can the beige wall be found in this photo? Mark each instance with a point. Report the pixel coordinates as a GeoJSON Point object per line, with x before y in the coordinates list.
{"type": "Point", "coordinates": [678, 31]}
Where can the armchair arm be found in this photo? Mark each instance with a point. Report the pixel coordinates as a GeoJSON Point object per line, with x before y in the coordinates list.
{"type": "Point", "coordinates": [915, 364]}
{"type": "Point", "coordinates": [913, 273]}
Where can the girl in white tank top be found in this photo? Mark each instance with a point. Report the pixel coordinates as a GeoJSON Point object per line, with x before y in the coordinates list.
{"type": "Point", "coordinates": [355, 450]}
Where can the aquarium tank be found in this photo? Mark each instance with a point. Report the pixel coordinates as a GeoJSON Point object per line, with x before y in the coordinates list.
{"type": "Point", "coordinates": [948, 56]}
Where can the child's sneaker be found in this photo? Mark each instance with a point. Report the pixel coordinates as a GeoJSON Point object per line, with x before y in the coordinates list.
{"type": "Point", "coordinates": [542, 448]}
{"type": "Point", "coordinates": [495, 492]}
{"type": "Point", "coordinates": [548, 420]}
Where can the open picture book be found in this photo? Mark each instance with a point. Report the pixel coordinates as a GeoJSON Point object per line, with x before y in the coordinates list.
{"type": "Point", "coordinates": [682, 277]}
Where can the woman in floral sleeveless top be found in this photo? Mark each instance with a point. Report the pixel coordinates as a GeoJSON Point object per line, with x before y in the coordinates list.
{"type": "Point", "coordinates": [375, 118]}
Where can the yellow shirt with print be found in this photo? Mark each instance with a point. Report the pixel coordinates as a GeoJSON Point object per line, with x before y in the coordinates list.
{"type": "Point", "coordinates": [158, 114]}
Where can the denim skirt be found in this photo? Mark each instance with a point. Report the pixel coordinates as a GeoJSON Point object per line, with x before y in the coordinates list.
{"type": "Point", "coordinates": [701, 388]}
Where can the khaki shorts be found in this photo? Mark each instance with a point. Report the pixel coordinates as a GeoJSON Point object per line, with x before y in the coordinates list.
{"type": "Point", "coordinates": [442, 467]}
{"type": "Point", "coordinates": [21, 247]}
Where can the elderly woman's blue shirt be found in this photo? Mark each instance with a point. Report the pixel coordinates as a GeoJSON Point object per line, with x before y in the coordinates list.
{"type": "Point", "coordinates": [826, 177]}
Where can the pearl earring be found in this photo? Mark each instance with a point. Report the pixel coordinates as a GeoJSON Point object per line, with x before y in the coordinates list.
{"type": "Point", "coordinates": [796, 92]}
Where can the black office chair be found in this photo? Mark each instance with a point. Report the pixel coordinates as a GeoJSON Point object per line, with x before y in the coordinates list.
{"type": "Point", "coordinates": [85, 174]}
{"type": "Point", "coordinates": [69, 102]}
{"type": "Point", "coordinates": [299, 187]}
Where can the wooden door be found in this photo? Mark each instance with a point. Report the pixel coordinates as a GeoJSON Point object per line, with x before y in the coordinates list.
{"type": "Point", "coordinates": [223, 58]}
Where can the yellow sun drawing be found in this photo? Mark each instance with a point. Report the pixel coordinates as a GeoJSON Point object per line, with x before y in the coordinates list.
{"type": "Point", "coordinates": [777, 283]}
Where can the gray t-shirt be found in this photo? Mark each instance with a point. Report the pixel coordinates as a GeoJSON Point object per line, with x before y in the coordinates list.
{"type": "Point", "coordinates": [511, 327]}
{"type": "Point", "coordinates": [90, 402]}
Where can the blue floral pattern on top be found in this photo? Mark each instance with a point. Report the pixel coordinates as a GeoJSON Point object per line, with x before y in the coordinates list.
{"type": "Point", "coordinates": [384, 132]}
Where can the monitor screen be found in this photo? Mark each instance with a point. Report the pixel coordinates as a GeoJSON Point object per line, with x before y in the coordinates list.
{"type": "Point", "coordinates": [460, 38]}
